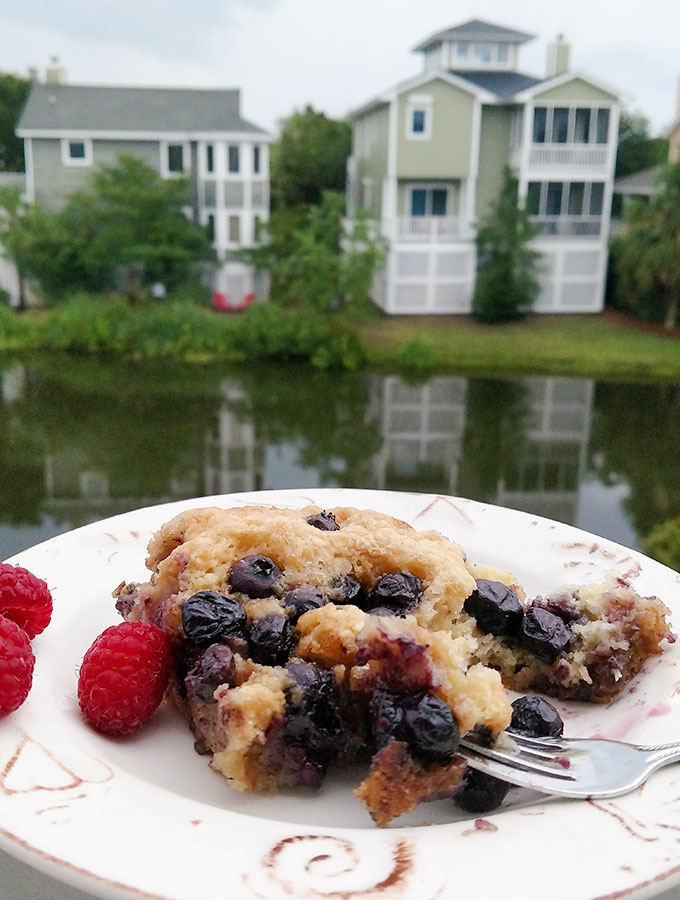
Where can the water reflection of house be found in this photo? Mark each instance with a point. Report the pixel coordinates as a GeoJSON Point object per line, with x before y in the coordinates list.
{"type": "Point", "coordinates": [546, 476]}
{"type": "Point", "coordinates": [422, 430]}
{"type": "Point", "coordinates": [234, 461]}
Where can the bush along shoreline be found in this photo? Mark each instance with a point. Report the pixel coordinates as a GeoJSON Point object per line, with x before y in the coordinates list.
{"type": "Point", "coordinates": [89, 326]}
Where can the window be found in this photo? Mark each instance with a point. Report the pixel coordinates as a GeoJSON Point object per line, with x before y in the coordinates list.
{"type": "Point", "coordinates": [596, 198]}
{"type": "Point", "coordinates": [533, 198]}
{"type": "Point", "coordinates": [76, 152]}
{"type": "Point", "coordinates": [175, 158]}
{"type": "Point", "coordinates": [482, 52]}
{"type": "Point", "coordinates": [209, 158]}
{"type": "Point", "coordinates": [503, 53]}
{"type": "Point", "coordinates": [540, 122]}
{"type": "Point", "coordinates": [256, 160]}
{"type": "Point", "coordinates": [602, 129]}
{"type": "Point", "coordinates": [234, 229]}
{"type": "Point", "coordinates": [577, 199]}
{"type": "Point", "coordinates": [560, 125]}
{"type": "Point", "coordinates": [462, 49]}
{"type": "Point", "coordinates": [211, 228]}
{"type": "Point", "coordinates": [233, 158]}
{"type": "Point", "coordinates": [571, 125]}
{"type": "Point", "coordinates": [429, 201]}
{"type": "Point", "coordinates": [419, 117]}
{"type": "Point", "coordinates": [553, 202]}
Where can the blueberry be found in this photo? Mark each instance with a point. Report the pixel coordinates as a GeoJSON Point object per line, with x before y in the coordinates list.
{"type": "Point", "coordinates": [495, 607]}
{"type": "Point", "coordinates": [535, 717]}
{"type": "Point", "coordinates": [479, 792]}
{"type": "Point", "coordinates": [544, 634]}
{"type": "Point", "coordinates": [386, 716]}
{"type": "Point", "coordinates": [313, 718]}
{"type": "Point", "coordinates": [301, 599]}
{"type": "Point", "coordinates": [399, 591]}
{"type": "Point", "coordinates": [432, 730]}
{"type": "Point", "coordinates": [256, 576]}
{"type": "Point", "coordinates": [324, 521]}
{"type": "Point", "coordinates": [347, 589]}
{"type": "Point", "coordinates": [214, 667]}
{"type": "Point", "coordinates": [209, 617]}
{"type": "Point", "coordinates": [272, 640]}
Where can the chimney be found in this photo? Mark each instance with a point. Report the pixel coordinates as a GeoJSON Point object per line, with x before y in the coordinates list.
{"type": "Point", "coordinates": [558, 56]}
{"type": "Point", "coordinates": [55, 73]}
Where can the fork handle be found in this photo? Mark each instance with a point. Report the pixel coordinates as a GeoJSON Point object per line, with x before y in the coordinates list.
{"type": "Point", "coordinates": [660, 754]}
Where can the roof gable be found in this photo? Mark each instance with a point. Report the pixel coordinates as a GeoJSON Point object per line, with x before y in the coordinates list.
{"type": "Point", "coordinates": [476, 30]}
{"type": "Point", "coordinates": [81, 108]}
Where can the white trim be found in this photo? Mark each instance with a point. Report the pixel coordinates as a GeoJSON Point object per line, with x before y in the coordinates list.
{"type": "Point", "coordinates": [563, 78]}
{"type": "Point", "coordinates": [80, 162]}
{"type": "Point", "coordinates": [471, 181]}
{"type": "Point", "coordinates": [120, 135]}
{"type": "Point", "coordinates": [388, 205]}
{"type": "Point", "coordinates": [418, 103]}
{"type": "Point", "coordinates": [30, 174]}
{"type": "Point", "coordinates": [422, 79]}
{"type": "Point", "coordinates": [164, 167]}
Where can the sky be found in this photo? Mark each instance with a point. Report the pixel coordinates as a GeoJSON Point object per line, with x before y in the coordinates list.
{"type": "Point", "coordinates": [331, 54]}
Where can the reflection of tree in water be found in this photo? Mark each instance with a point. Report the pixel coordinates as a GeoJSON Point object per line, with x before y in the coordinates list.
{"type": "Point", "coordinates": [635, 438]}
{"type": "Point", "coordinates": [496, 424]}
{"type": "Point", "coordinates": [324, 414]}
{"type": "Point", "coordinates": [141, 427]}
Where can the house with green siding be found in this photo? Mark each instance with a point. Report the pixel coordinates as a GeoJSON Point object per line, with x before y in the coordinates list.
{"type": "Point", "coordinates": [428, 158]}
{"type": "Point", "coordinates": [68, 130]}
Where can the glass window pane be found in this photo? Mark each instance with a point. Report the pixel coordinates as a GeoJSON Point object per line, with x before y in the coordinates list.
{"type": "Point", "coordinates": [211, 228]}
{"type": "Point", "coordinates": [209, 158]}
{"type": "Point", "coordinates": [533, 197]}
{"type": "Point", "coordinates": [418, 121]}
{"type": "Point", "coordinates": [596, 198]}
{"type": "Point", "coordinates": [575, 205]}
{"type": "Point", "coordinates": [439, 202]}
{"type": "Point", "coordinates": [483, 52]}
{"type": "Point", "coordinates": [602, 133]}
{"type": "Point", "coordinates": [76, 150]}
{"type": "Point", "coordinates": [560, 127]}
{"type": "Point", "coordinates": [175, 158]}
{"type": "Point", "coordinates": [540, 116]}
{"type": "Point", "coordinates": [503, 53]}
{"type": "Point", "coordinates": [462, 49]}
{"type": "Point", "coordinates": [256, 159]}
{"type": "Point", "coordinates": [233, 158]}
{"type": "Point", "coordinates": [418, 200]}
{"type": "Point", "coordinates": [553, 203]}
{"type": "Point", "coordinates": [234, 229]}
{"type": "Point", "coordinates": [582, 126]}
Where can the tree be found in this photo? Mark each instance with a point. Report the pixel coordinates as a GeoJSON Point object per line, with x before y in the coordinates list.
{"type": "Point", "coordinates": [314, 262]}
{"type": "Point", "coordinates": [309, 157]}
{"type": "Point", "coordinates": [506, 285]}
{"type": "Point", "coordinates": [128, 226]}
{"type": "Point", "coordinates": [646, 255]}
{"type": "Point", "coordinates": [637, 150]}
{"type": "Point", "coordinates": [13, 93]}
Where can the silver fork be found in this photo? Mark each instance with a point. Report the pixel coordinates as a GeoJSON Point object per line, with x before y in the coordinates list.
{"type": "Point", "coordinates": [570, 767]}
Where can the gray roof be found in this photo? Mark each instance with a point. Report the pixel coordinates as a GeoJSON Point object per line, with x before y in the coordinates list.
{"type": "Point", "coordinates": [502, 84]}
{"type": "Point", "coordinates": [639, 184]}
{"type": "Point", "coordinates": [80, 108]}
{"type": "Point", "coordinates": [476, 30]}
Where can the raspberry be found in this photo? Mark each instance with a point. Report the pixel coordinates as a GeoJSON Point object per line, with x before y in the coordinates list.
{"type": "Point", "coordinates": [24, 599]}
{"type": "Point", "coordinates": [123, 677]}
{"type": "Point", "coordinates": [16, 666]}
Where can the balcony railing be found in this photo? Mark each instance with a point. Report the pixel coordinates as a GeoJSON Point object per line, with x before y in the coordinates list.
{"type": "Point", "coordinates": [593, 156]}
{"type": "Point", "coordinates": [424, 228]}
{"type": "Point", "coordinates": [568, 226]}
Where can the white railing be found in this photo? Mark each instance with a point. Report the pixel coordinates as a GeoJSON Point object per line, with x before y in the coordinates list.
{"type": "Point", "coordinates": [424, 228]}
{"type": "Point", "coordinates": [569, 155]}
{"type": "Point", "coordinates": [568, 226]}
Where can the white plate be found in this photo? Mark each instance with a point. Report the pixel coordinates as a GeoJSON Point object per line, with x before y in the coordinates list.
{"type": "Point", "coordinates": [146, 817]}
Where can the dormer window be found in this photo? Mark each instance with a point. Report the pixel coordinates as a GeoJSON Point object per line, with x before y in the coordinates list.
{"type": "Point", "coordinates": [419, 118]}
{"type": "Point", "coordinates": [76, 152]}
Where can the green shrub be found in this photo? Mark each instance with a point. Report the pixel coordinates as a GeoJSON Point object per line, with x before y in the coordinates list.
{"type": "Point", "coordinates": [663, 543]}
{"type": "Point", "coordinates": [17, 331]}
{"type": "Point", "coordinates": [419, 356]}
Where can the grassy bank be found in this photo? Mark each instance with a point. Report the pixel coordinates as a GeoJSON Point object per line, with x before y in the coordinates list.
{"type": "Point", "coordinates": [597, 346]}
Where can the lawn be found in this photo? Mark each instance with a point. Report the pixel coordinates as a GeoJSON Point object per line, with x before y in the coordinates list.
{"type": "Point", "coordinates": [600, 346]}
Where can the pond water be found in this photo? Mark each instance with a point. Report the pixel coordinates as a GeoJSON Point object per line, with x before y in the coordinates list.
{"type": "Point", "coordinates": [81, 440]}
